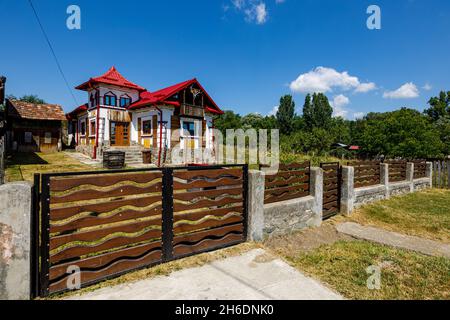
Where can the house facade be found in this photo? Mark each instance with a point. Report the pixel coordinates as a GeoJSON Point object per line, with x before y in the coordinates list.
{"type": "Point", "coordinates": [123, 115]}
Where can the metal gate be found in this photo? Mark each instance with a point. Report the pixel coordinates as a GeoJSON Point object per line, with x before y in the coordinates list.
{"type": "Point", "coordinates": [99, 225]}
{"type": "Point", "coordinates": [331, 189]}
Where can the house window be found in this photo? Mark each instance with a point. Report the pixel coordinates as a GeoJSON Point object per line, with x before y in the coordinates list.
{"type": "Point", "coordinates": [48, 138]}
{"type": "Point", "coordinates": [92, 128]}
{"type": "Point", "coordinates": [110, 99]}
{"type": "Point", "coordinates": [125, 101]}
{"type": "Point", "coordinates": [147, 127]}
{"type": "Point", "coordinates": [189, 128]}
{"type": "Point", "coordinates": [83, 128]}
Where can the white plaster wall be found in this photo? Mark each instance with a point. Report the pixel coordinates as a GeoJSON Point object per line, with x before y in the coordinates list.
{"type": "Point", "coordinates": [118, 91]}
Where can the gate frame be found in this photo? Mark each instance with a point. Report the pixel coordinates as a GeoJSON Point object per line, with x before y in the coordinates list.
{"type": "Point", "coordinates": [339, 188]}
{"type": "Point", "coordinates": [40, 222]}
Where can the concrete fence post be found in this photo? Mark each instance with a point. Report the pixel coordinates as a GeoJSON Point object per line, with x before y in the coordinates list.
{"type": "Point", "coordinates": [316, 187]}
{"type": "Point", "coordinates": [429, 172]}
{"type": "Point", "coordinates": [347, 190]}
{"type": "Point", "coordinates": [384, 178]}
{"type": "Point", "coordinates": [256, 185]}
{"type": "Point", "coordinates": [15, 241]}
{"type": "Point", "coordinates": [410, 175]}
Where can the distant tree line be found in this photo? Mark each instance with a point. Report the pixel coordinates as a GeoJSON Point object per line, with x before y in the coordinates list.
{"type": "Point", "coordinates": [405, 133]}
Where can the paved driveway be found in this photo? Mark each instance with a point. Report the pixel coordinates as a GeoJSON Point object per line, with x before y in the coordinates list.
{"type": "Point", "coordinates": [252, 275]}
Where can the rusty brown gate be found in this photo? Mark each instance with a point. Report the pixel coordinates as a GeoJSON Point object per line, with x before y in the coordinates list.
{"type": "Point", "coordinates": [103, 224]}
{"type": "Point", "coordinates": [331, 189]}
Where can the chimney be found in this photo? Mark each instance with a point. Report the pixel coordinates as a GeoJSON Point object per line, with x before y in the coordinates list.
{"type": "Point", "coordinates": [2, 89]}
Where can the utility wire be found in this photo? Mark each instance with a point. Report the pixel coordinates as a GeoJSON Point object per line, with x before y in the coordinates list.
{"type": "Point", "coordinates": [53, 52]}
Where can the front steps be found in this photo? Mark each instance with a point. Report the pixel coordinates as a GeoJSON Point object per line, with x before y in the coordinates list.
{"type": "Point", "coordinates": [133, 154]}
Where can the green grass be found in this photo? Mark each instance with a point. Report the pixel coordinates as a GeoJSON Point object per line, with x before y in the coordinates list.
{"type": "Point", "coordinates": [404, 274]}
{"type": "Point", "coordinates": [22, 166]}
{"type": "Point", "coordinates": [425, 214]}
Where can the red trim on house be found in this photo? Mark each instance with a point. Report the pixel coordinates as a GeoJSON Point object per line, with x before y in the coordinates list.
{"type": "Point", "coordinates": [160, 97]}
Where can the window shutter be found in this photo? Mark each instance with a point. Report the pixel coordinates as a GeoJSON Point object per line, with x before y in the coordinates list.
{"type": "Point", "coordinates": [139, 127]}
{"type": "Point", "coordinates": [155, 131]}
{"type": "Point", "coordinates": [203, 134]}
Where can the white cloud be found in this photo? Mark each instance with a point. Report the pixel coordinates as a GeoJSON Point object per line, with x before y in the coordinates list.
{"type": "Point", "coordinates": [261, 13]}
{"type": "Point", "coordinates": [279, 1]}
{"type": "Point", "coordinates": [365, 87]}
{"type": "Point", "coordinates": [274, 111]}
{"type": "Point", "coordinates": [238, 4]}
{"type": "Point", "coordinates": [358, 115]}
{"type": "Point", "coordinates": [338, 104]}
{"type": "Point", "coordinates": [406, 91]}
{"type": "Point", "coordinates": [254, 10]}
{"type": "Point", "coordinates": [427, 87]}
{"type": "Point", "coordinates": [323, 79]}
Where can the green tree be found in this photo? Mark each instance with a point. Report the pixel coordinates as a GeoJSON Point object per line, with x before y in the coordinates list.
{"type": "Point", "coordinates": [318, 112]}
{"type": "Point", "coordinates": [285, 114]}
{"type": "Point", "coordinates": [402, 133]}
{"type": "Point", "coordinates": [227, 120]}
{"type": "Point", "coordinates": [439, 106]}
{"type": "Point", "coordinates": [32, 98]}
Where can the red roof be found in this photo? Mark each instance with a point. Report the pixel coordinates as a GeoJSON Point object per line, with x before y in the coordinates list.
{"type": "Point", "coordinates": [112, 76]}
{"type": "Point", "coordinates": [353, 148]}
{"type": "Point", "coordinates": [160, 97]}
{"type": "Point", "coordinates": [77, 111]}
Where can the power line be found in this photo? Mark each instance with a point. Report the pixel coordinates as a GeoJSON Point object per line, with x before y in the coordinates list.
{"type": "Point", "coordinates": [53, 52]}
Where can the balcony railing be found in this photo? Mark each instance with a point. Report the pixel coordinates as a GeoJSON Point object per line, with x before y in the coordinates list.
{"type": "Point", "coordinates": [192, 111]}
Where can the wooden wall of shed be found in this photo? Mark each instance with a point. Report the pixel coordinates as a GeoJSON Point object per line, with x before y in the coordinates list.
{"type": "Point", "coordinates": [38, 130]}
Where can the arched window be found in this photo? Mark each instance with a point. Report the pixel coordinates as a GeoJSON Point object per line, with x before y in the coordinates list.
{"type": "Point", "coordinates": [110, 99]}
{"type": "Point", "coordinates": [125, 100]}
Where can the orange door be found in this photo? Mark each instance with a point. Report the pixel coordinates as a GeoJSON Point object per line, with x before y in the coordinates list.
{"type": "Point", "coordinates": [120, 134]}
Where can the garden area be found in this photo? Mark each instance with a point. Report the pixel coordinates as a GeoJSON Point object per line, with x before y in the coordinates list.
{"type": "Point", "coordinates": [22, 166]}
{"type": "Point", "coordinates": [340, 261]}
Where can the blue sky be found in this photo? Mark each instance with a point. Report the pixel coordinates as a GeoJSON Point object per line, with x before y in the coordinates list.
{"type": "Point", "coordinates": [246, 53]}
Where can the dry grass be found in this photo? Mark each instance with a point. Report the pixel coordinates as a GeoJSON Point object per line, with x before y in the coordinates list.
{"type": "Point", "coordinates": [425, 214]}
{"type": "Point", "coordinates": [167, 268]}
{"type": "Point", "coordinates": [404, 274]}
{"type": "Point", "coordinates": [22, 166]}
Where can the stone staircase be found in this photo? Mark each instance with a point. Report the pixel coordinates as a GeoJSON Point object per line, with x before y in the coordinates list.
{"type": "Point", "coordinates": [133, 154]}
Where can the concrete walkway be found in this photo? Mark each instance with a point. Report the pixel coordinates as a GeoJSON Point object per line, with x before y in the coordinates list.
{"type": "Point", "coordinates": [252, 275]}
{"type": "Point", "coordinates": [84, 159]}
{"type": "Point", "coordinates": [425, 246]}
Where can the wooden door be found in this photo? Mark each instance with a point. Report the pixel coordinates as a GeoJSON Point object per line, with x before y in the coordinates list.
{"type": "Point", "coordinates": [120, 134]}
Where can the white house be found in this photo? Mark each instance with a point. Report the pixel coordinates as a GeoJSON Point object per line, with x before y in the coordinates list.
{"type": "Point", "coordinates": [121, 114]}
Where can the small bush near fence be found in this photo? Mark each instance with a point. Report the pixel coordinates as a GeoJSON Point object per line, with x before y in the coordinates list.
{"type": "Point", "coordinates": [290, 182]}
{"type": "Point", "coordinates": [367, 173]}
